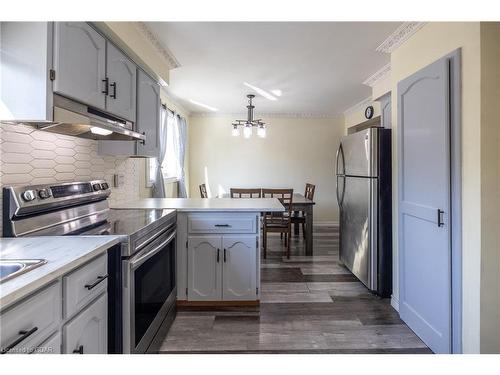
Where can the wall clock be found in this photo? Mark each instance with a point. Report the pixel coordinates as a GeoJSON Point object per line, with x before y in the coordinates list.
{"type": "Point", "coordinates": [369, 112]}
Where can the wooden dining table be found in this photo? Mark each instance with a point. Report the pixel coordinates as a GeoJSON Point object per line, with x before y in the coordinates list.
{"type": "Point", "coordinates": [299, 203]}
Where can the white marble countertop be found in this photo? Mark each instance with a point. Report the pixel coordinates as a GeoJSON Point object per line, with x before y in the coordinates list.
{"type": "Point", "coordinates": [62, 254]}
{"type": "Point", "coordinates": [206, 204]}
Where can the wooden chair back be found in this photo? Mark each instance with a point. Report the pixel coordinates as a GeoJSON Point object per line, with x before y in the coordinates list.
{"type": "Point", "coordinates": [285, 196]}
{"type": "Point", "coordinates": [309, 193]}
{"type": "Point", "coordinates": [203, 191]}
{"type": "Point", "coordinates": [245, 193]}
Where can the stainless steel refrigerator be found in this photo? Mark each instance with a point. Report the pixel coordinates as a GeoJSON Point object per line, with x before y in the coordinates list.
{"type": "Point", "coordinates": [364, 195]}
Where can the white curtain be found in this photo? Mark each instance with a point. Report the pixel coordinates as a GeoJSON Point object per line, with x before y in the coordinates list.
{"type": "Point", "coordinates": [159, 184]}
{"type": "Point", "coordinates": [182, 127]}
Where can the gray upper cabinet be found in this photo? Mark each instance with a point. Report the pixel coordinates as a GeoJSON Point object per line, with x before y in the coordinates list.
{"type": "Point", "coordinates": [80, 63]}
{"type": "Point", "coordinates": [148, 114]}
{"type": "Point", "coordinates": [122, 75]}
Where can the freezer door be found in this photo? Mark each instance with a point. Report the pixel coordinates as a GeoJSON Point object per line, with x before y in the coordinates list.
{"type": "Point", "coordinates": [360, 153]}
{"type": "Point", "coordinates": [358, 234]}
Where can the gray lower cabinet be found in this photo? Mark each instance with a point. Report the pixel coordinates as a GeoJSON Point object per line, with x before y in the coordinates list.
{"type": "Point", "coordinates": [122, 76]}
{"type": "Point", "coordinates": [222, 267]}
{"type": "Point", "coordinates": [80, 63]}
{"type": "Point", "coordinates": [87, 332]}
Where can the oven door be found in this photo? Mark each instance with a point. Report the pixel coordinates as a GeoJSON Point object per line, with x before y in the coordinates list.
{"type": "Point", "coordinates": [149, 290]}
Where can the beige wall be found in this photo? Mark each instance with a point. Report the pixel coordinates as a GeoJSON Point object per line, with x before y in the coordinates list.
{"type": "Point", "coordinates": [356, 115]}
{"type": "Point", "coordinates": [295, 151]}
{"type": "Point", "coordinates": [430, 43]}
{"type": "Point", "coordinates": [490, 188]}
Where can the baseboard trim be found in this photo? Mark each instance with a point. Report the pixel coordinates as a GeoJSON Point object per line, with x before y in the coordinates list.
{"type": "Point", "coordinates": [395, 303]}
{"type": "Point", "coordinates": [204, 305]}
{"type": "Point", "coordinates": [325, 223]}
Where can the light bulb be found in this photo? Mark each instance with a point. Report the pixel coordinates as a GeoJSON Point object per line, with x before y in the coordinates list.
{"type": "Point", "coordinates": [100, 131]}
{"type": "Point", "coordinates": [247, 131]}
{"type": "Point", "coordinates": [236, 131]}
{"type": "Point", "coordinates": [261, 131]}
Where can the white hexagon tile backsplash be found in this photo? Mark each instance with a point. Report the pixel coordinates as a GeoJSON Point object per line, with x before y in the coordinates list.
{"type": "Point", "coordinates": [29, 156]}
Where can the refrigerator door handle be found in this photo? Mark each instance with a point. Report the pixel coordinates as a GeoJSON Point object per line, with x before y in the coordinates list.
{"type": "Point", "coordinates": [340, 153]}
{"type": "Point", "coordinates": [340, 198]}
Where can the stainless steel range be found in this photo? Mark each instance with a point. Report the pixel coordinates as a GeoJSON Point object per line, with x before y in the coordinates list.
{"type": "Point", "coordinates": [142, 280]}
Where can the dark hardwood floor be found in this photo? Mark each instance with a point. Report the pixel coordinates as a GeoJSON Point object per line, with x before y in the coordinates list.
{"type": "Point", "coordinates": [308, 305]}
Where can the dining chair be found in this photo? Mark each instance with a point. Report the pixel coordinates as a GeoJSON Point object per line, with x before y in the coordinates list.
{"type": "Point", "coordinates": [245, 193]}
{"type": "Point", "coordinates": [203, 191]}
{"type": "Point", "coordinates": [278, 222]}
{"type": "Point", "coordinates": [299, 217]}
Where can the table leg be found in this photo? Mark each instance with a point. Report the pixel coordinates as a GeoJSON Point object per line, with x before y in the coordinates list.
{"type": "Point", "coordinates": [296, 225]}
{"type": "Point", "coordinates": [309, 230]}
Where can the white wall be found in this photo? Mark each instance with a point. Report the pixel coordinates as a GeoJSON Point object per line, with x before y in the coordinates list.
{"type": "Point", "coordinates": [432, 42]}
{"type": "Point", "coordinates": [295, 151]}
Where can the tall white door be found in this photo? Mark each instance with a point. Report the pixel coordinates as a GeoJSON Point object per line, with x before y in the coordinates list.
{"type": "Point", "coordinates": [239, 276]}
{"type": "Point", "coordinates": [424, 204]}
{"type": "Point", "coordinates": [205, 268]}
{"type": "Point", "coordinates": [80, 63]}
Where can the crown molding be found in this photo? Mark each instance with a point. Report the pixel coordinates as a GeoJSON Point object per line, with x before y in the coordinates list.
{"type": "Point", "coordinates": [164, 52]}
{"type": "Point", "coordinates": [364, 103]}
{"type": "Point", "coordinates": [378, 76]}
{"type": "Point", "coordinates": [242, 115]}
{"type": "Point", "coordinates": [401, 35]}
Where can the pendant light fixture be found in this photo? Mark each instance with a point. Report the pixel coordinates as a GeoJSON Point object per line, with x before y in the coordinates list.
{"type": "Point", "coordinates": [249, 123]}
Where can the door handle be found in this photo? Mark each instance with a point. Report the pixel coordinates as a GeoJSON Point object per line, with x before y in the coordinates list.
{"type": "Point", "coordinates": [439, 217]}
{"type": "Point", "coordinates": [340, 153]}
{"type": "Point", "coordinates": [113, 85]}
{"type": "Point", "coordinates": [224, 255]}
{"type": "Point", "coordinates": [218, 255]}
{"type": "Point", "coordinates": [106, 86]}
{"type": "Point", "coordinates": [24, 336]}
{"type": "Point", "coordinates": [79, 350]}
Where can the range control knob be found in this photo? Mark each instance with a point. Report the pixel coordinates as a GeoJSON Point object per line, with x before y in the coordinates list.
{"type": "Point", "coordinates": [44, 193]}
{"type": "Point", "coordinates": [104, 186]}
{"type": "Point", "coordinates": [29, 195]}
{"type": "Point", "coordinates": [96, 187]}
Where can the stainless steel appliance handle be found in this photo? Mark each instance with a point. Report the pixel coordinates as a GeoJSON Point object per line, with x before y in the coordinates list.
{"type": "Point", "coordinates": [340, 153]}
{"type": "Point", "coordinates": [142, 257]}
{"type": "Point", "coordinates": [337, 190]}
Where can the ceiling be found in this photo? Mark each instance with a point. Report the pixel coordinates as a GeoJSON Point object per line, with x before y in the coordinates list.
{"type": "Point", "coordinates": [319, 66]}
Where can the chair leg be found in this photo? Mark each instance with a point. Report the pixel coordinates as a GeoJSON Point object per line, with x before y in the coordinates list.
{"type": "Point", "coordinates": [288, 244]}
{"type": "Point", "coordinates": [304, 230]}
{"type": "Point", "coordinates": [286, 239]}
{"type": "Point", "coordinates": [264, 242]}
{"type": "Point", "coordinates": [281, 235]}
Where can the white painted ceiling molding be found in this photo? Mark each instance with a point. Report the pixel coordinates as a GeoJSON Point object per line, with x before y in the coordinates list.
{"type": "Point", "coordinates": [401, 35]}
{"type": "Point", "coordinates": [364, 103]}
{"type": "Point", "coordinates": [155, 42]}
{"type": "Point", "coordinates": [378, 76]}
{"type": "Point", "coordinates": [242, 115]}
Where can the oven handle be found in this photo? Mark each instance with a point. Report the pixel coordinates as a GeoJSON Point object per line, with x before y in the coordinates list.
{"type": "Point", "coordinates": [134, 263]}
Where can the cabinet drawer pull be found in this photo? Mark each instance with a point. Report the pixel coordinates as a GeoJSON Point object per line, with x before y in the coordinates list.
{"type": "Point", "coordinates": [222, 225]}
{"type": "Point", "coordinates": [224, 255]}
{"type": "Point", "coordinates": [106, 86]}
{"type": "Point", "coordinates": [99, 280]}
{"type": "Point", "coordinates": [79, 350]}
{"type": "Point", "coordinates": [24, 336]}
{"type": "Point", "coordinates": [113, 85]}
{"type": "Point", "coordinates": [218, 255]}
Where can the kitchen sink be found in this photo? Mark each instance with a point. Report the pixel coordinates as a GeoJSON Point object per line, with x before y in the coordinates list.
{"type": "Point", "coordinates": [10, 268]}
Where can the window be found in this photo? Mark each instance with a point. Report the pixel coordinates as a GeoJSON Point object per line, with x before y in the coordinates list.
{"type": "Point", "coordinates": [171, 165]}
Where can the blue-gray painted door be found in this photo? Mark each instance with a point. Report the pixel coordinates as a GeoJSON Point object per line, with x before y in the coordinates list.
{"type": "Point", "coordinates": [424, 204]}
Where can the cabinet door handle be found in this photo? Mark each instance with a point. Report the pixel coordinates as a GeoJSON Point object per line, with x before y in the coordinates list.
{"type": "Point", "coordinates": [79, 350]}
{"type": "Point", "coordinates": [24, 335]}
{"type": "Point", "coordinates": [222, 225]}
{"type": "Point", "coordinates": [440, 213]}
{"type": "Point", "coordinates": [224, 255]}
{"type": "Point", "coordinates": [113, 85]}
{"type": "Point", "coordinates": [99, 280]}
{"type": "Point", "coordinates": [218, 255]}
{"type": "Point", "coordinates": [106, 86]}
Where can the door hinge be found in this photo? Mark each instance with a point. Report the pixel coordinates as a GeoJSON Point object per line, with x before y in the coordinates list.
{"type": "Point", "coordinates": [52, 74]}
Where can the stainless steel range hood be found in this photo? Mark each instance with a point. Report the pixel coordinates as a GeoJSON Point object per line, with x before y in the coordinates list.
{"type": "Point", "coordinates": [79, 120]}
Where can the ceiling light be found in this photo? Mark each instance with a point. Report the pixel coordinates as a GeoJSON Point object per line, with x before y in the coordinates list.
{"type": "Point", "coordinates": [258, 90]}
{"type": "Point", "coordinates": [277, 92]}
{"type": "Point", "coordinates": [236, 131]}
{"type": "Point", "coordinates": [247, 131]}
{"type": "Point", "coordinates": [261, 131]}
{"type": "Point", "coordinates": [206, 106]}
{"type": "Point", "coordinates": [100, 131]}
